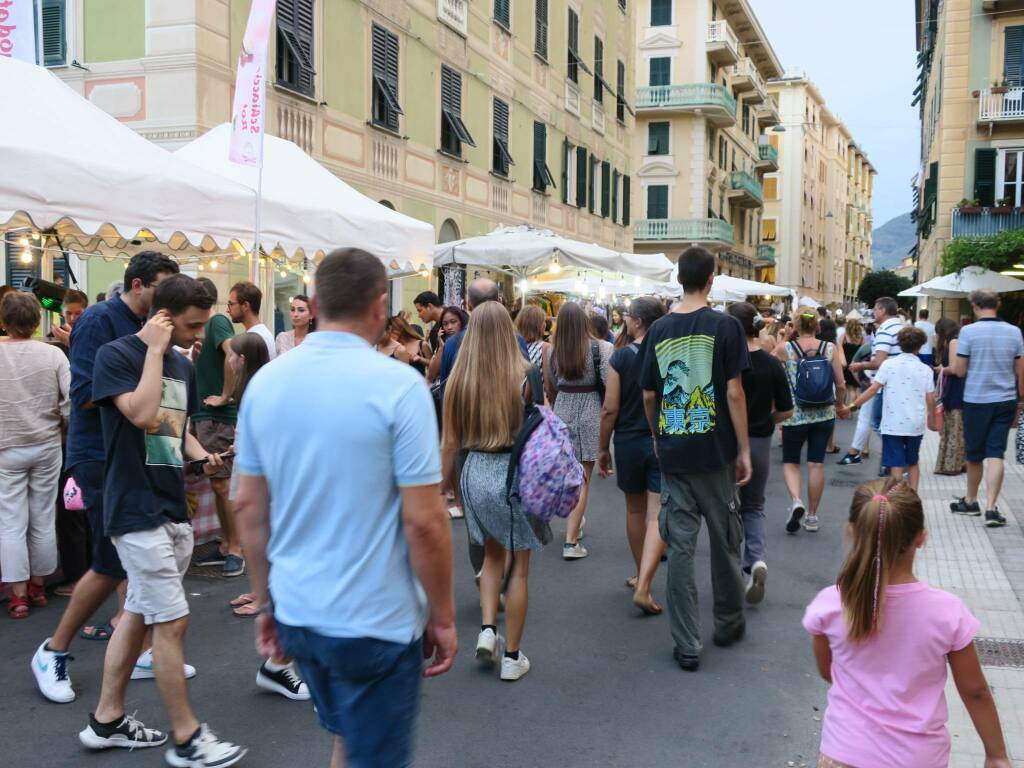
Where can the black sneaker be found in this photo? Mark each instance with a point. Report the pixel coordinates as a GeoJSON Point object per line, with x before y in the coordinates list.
{"type": "Point", "coordinates": [994, 518]}
{"type": "Point", "coordinates": [725, 640]}
{"type": "Point", "coordinates": [213, 558]}
{"type": "Point", "coordinates": [848, 459]}
{"type": "Point", "coordinates": [205, 750]}
{"type": "Point", "coordinates": [283, 681]}
{"type": "Point", "coordinates": [962, 507]}
{"type": "Point", "coordinates": [127, 732]}
{"type": "Point", "coordinates": [686, 662]}
{"type": "Point", "coordinates": [234, 565]}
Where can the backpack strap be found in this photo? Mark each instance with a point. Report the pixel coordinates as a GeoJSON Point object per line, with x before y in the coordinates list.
{"type": "Point", "coordinates": [634, 348]}
{"type": "Point", "coordinates": [536, 382]}
{"type": "Point", "coordinates": [822, 346]}
{"type": "Point", "coordinates": [799, 350]}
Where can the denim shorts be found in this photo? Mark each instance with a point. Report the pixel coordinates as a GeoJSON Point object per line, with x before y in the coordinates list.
{"type": "Point", "coordinates": [366, 691]}
{"type": "Point", "coordinates": [900, 450]}
{"type": "Point", "coordinates": [986, 428]}
{"type": "Point", "coordinates": [815, 434]}
{"type": "Point", "coordinates": [636, 466]}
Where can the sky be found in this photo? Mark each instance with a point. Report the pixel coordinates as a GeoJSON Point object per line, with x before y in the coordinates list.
{"type": "Point", "coordinates": [862, 57]}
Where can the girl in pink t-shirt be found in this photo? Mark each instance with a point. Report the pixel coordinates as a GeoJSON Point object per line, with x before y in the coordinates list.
{"type": "Point", "coordinates": [882, 640]}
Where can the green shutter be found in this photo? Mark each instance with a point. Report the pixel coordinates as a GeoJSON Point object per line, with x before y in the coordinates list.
{"type": "Point", "coordinates": [582, 161]}
{"type": "Point", "coordinates": [1013, 56]}
{"type": "Point", "coordinates": [606, 180]}
{"type": "Point", "coordinates": [55, 46]}
{"type": "Point", "coordinates": [625, 201]}
{"type": "Point", "coordinates": [984, 177]}
{"type": "Point", "coordinates": [567, 150]}
{"type": "Point", "coordinates": [590, 184]}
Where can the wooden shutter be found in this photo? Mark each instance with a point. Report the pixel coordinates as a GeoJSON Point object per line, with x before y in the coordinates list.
{"type": "Point", "coordinates": [1013, 55]}
{"type": "Point", "coordinates": [295, 23]}
{"type": "Point", "coordinates": [769, 229]}
{"type": "Point", "coordinates": [567, 153]}
{"type": "Point", "coordinates": [540, 32]}
{"type": "Point", "coordinates": [625, 201]}
{"type": "Point", "coordinates": [384, 56]}
{"type": "Point", "coordinates": [606, 177]}
{"type": "Point", "coordinates": [984, 176]}
{"type": "Point", "coordinates": [657, 202]}
{"type": "Point", "coordinates": [771, 188]}
{"type": "Point", "coordinates": [542, 178]}
{"type": "Point", "coordinates": [591, 197]}
{"type": "Point", "coordinates": [615, 196]}
{"type": "Point", "coordinates": [573, 58]}
{"type": "Point", "coordinates": [620, 92]}
{"type": "Point", "coordinates": [17, 272]}
{"type": "Point", "coordinates": [661, 13]}
{"type": "Point", "coordinates": [582, 162]}
{"type": "Point", "coordinates": [501, 158]}
{"type": "Point", "coordinates": [55, 45]}
{"type": "Point", "coordinates": [502, 13]}
{"type": "Point", "coordinates": [598, 69]}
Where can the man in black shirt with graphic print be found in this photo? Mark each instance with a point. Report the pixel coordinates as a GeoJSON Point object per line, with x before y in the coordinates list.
{"type": "Point", "coordinates": [691, 367]}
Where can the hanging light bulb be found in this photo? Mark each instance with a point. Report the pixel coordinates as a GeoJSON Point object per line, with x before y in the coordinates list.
{"type": "Point", "coordinates": [555, 268]}
{"type": "Point", "coordinates": [213, 263]}
{"type": "Point", "coordinates": [26, 256]}
{"type": "Point", "coordinates": [23, 241]}
{"type": "Point", "coordinates": [425, 273]}
{"type": "Point", "coordinates": [525, 286]}
{"type": "Point", "coordinates": [201, 267]}
{"type": "Point", "coordinates": [306, 279]}
{"type": "Point", "coordinates": [283, 272]}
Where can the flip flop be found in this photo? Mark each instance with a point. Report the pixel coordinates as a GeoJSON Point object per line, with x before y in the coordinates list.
{"type": "Point", "coordinates": [247, 610]}
{"type": "Point", "coordinates": [243, 599]}
{"type": "Point", "coordinates": [99, 631]}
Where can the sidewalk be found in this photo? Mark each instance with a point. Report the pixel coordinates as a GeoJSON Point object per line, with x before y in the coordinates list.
{"type": "Point", "coordinates": [985, 568]}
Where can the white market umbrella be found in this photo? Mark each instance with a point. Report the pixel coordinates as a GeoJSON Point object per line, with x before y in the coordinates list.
{"type": "Point", "coordinates": [523, 251]}
{"type": "Point", "coordinates": [72, 170]}
{"type": "Point", "coordinates": [960, 284]}
{"type": "Point", "coordinates": [308, 208]}
{"type": "Point", "coordinates": [807, 301]}
{"type": "Point", "coordinates": [590, 284]}
{"type": "Point", "coordinates": [727, 288]}
{"type": "Point", "coordinates": [912, 293]}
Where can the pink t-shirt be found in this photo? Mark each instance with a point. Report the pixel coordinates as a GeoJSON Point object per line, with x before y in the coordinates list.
{"type": "Point", "coordinates": [886, 706]}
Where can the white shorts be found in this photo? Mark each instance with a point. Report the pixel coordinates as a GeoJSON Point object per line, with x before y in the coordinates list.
{"type": "Point", "coordinates": [156, 561]}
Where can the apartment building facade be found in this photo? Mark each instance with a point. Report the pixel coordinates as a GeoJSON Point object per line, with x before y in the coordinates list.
{"type": "Point", "coordinates": [971, 97]}
{"type": "Point", "coordinates": [817, 213]}
{"type": "Point", "coordinates": [464, 115]}
{"type": "Point", "coordinates": [702, 106]}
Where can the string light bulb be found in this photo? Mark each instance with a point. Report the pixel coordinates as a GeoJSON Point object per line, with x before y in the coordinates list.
{"type": "Point", "coordinates": [201, 267]}
{"type": "Point", "coordinates": [306, 279]}
{"type": "Point", "coordinates": [283, 272]}
{"type": "Point", "coordinates": [23, 241]}
{"type": "Point", "coordinates": [555, 268]}
{"type": "Point", "coordinates": [213, 263]}
{"type": "Point", "coordinates": [26, 256]}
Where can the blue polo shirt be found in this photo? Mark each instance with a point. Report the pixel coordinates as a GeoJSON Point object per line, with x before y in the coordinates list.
{"type": "Point", "coordinates": [335, 454]}
{"type": "Point", "coordinates": [99, 324]}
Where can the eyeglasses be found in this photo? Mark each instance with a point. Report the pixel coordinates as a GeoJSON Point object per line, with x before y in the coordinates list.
{"type": "Point", "coordinates": [234, 303]}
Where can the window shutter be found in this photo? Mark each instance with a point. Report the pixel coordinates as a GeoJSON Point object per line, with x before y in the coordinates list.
{"type": "Point", "coordinates": [566, 161]}
{"type": "Point", "coordinates": [501, 158]}
{"type": "Point", "coordinates": [661, 13]}
{"type": "Point", "coordinates": [581, 176]}
{"type": "Point", "coordinates": [620, 92]}
{"type": "Point", "coordinates": [502, 13]}
{"type": "Point", "coordinates": [55, 46]}
{"type": "Point", "coordinates": [384, 56]}
{"type": "Point", "coordinates": [591, 201]}
{"type": "Point", "coordinates": [573, 59]}
{"type": "Point", "coordinates": [1013, 56]}
{"type": "Point", "coordinates": [984, 176]}
{"type": "Point", "coordinates": [615, 197]}
{"type": "Point", "coordinates": [598, 69]}
{"type": "Point", "coordinates": [17, 272]}
{"type": "Point", "coordinates": [606, 173]}
{"type": "Point", "coordinates": [540, 33]}
{"type": "Point", "coordinates": [657, 202]}
{"type": "Point", "coordinates": [625, 201]}
{"type": "Point", "coordinates": [295, 22]}
{"type": "Point", "coordinates": [661, 71]}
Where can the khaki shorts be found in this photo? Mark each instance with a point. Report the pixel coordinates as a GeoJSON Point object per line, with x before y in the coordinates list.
{"type": "Point", "coordinates": [216, 437]}
{"type": "Point", "coordinates": [156, 561]}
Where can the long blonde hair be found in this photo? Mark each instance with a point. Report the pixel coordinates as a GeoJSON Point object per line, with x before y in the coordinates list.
{"type": "Point", "coordinates": [483, 406]}
{"type": "Point", "coordinates": [854, 332]}
{"type": "Point", "coordinates": [885, 518]}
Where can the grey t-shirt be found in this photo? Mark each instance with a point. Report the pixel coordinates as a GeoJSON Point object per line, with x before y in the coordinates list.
{"type": "Point", "coordinates": [991, 347]}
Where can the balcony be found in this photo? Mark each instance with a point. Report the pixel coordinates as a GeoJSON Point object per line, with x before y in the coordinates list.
{"type": "Point", "coordinates": [767, 158]}
{"type": "Point", "coordinates": [572, 98]}
{"type": "Point", "coordinates": [709, 100]}
{"type": "Point", "coordinates": [766, 254]}
{"type": "Point", "coordinates": [987, 222]}
{"type": "Point", "coordinates": [722, 44]}
{"type": "Point", "coordinates": [746, 79]}
{"type": "Point", "coordinates": [745, 190]}
{"type": "Point", "coordinates": [767, 114]}
{"type": "Point", "coordinates": [1001, 105]}
{"type": "Point", "coordinates": [455, 14]}
{"type": "Point", "coordinates": [711, 233]}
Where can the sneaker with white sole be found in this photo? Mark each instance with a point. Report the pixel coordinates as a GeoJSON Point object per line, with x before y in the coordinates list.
{"type": "Point", "coordinates": [583, 523]}
{"type": "Point", "coordinates": [51, 671]}
{"type": "Point", "coordinates": [994, 518]}
{"type": "Point", "coordinates": [811, 523]}
{"type": "Point", "coordinates": [126, 733]}
{"type": "Point", "coordinates": [205, 750]}
{"type": "Point", "coordinates": [144, 668]}
{"type": "Point", "coordinates": [574, 551]}
{"type": "Point", "coordinates": [513, 669]}
{"type": "Point", "coordinates": [796, 512]}
{"type": "Point", "coordinates": [755, 587]}
{"type": "Point", "coordinates": [487, 646]}
{"type": "Point", "coordinates": [285, 681]}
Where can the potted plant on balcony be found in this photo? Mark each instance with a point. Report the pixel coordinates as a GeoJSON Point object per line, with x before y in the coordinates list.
{"type": "Point", "coordinates": [969, 206]}
{"type": "Point", "coordinates": [1000, 87]}
{"type": "Point", "coordinates": [1003, 205]}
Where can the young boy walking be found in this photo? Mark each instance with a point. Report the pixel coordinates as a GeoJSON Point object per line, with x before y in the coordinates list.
{"type": "Point", "coordinates": [908, 407]}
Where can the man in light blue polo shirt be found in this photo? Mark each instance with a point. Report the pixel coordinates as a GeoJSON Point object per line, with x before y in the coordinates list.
{"type": "Point", "coordinates": [990, 353]}
{"type": "Point", "coordinates": [339, 499]}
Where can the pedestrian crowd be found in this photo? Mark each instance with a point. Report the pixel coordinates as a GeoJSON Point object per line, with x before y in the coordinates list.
{"type": "Point", "coordinates": [502, 421]}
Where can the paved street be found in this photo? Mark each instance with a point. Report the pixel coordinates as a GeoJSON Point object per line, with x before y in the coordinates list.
{"type": "Point", "coordinates": [603, 691]}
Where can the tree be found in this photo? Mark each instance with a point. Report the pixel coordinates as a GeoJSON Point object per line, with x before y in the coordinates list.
{"type": "Point", "coordinates": [875, 285]}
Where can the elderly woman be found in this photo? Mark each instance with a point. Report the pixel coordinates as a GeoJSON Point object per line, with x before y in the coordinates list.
{"type": "Point", "coordinates": [34, 382]}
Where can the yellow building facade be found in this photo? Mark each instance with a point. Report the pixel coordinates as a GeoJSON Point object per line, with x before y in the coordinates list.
{"type": "Point", "coordinates": [464, 115]}
{"type": "Point", "coordinates": [702, 106]}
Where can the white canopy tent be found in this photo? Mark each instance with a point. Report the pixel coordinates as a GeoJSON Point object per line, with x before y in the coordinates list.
{"type": "Point", "coordinates": [308, 208]}
{"type": "Point", "coordinates": [524, 251]}
{"type": "Point", "coordinates": [958, 285]}
{"type": "Point", "coordinates": [592, 284]}
{"type": "Point", "coordinates": [727, 288]}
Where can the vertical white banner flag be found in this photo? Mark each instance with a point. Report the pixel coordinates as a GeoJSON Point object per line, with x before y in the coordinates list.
{"type": "Point", "coordinates": [248, 115]}
{"type": "Point", "coordinates": [18, 30]}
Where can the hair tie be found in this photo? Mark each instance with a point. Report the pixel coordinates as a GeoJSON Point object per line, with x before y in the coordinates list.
{"type": "Point", "coordinates": [879, 498]}
{"type": "Point", "coordinates": [883, 502]}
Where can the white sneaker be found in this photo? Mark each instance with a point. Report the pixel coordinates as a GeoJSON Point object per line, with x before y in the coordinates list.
{"type": "Point", "coordinates": [575, 552]}
{"type": "Point", "coordinates": [583, 522]}
{"type": "Point", "coordinates": [513, 669]}
{"type": "Point", "coordinates": [144, 668]}
{"type": "Point", "coordinates": [205, 751]}
{"type": "Point", "coordinates": [51, 671]}
{"type": "Point", "coordinates": [811, 523]}
{"type": "Point", "coordinates": [755, 587]}
{"type": "Point", "coordinates": [486, 646]}
{"type": "Point", "coordinates": [796, 513]}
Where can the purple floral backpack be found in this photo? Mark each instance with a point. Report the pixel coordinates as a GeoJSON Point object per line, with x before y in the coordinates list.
{"type": "Point", "coordinates": [550, 478]}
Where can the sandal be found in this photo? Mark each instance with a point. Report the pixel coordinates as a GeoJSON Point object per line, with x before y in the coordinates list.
{"type": "Point", "coordinates": [65, 590]}
{"type": "Point", "coordinates": [243, 599]}
{"type": "Point", "coordinates": [17, 606]}
{"type": "Point", "coordinates": [631, 582]}
{"type": "Point", "coordinates": [37, 595]}
{"type": "Point", "coordinates": [97, 631]}
{"type": "Point", "coordinates": [246, 610]}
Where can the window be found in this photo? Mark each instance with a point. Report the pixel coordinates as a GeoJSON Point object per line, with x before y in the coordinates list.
{"type": "Point", "coordinates": [985, 163]}
{"type": "Point", "coordinates": [711, 144]}
{"type": "Point", "coordinates": [542, 178]}
{"type": "Point", "coordinates": [55, 39]}
{"type": "Point", "coordinates": [573, 65]}
{"type": "Point", "coordinates": [568, 173]}
{"type": "Point", "coordinates": [723, 151]}
{"type": "Point", "coordinates": [661, 13]}
{"type": "Point", "coordinates": [711, 204]}
{"type": "Point", "coordinates": [453, 131]}
{"type": "Point", "coordinates": [620, 92]}
{"type": "Point", "coordinates": [622, 5]}
{"type": "Point", "coordinates": [615, 196]}
{"type": "Point", "coordinates": [598, 70]}
{"type": "Point", "coordinates": [592, 184]}
{"type": "Point", "coordinates": [501, 159]}
{"type": "Point", "coordinates": [581, 176]}
{"type": "Point", "coordinates": [657, 138]}
{"type": "Point", "coordinates": [503, 13]}
{"type": "Point", "coordinates": [1013, 56]}
{"type": "Point", "coordinates": [386, 108]}
{"type": "Point", "coordinates": [1009, 183]}
{"type": "Point", "coordinates": [540, 28]}
{"type": "Point", "coordinates": [657, 201]}
{"type": "Point", "coordinates": [295, 45]}
{"type": "Point", "coordinates": [606, 180]}
{"type": "Point", "coordinates": [746, 117]}
{"type": "Point", "coordinates": [625, 200]}
{"type": "Point", "coordinates": [661, 71]}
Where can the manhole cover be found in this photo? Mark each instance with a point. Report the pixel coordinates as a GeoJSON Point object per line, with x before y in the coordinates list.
{"type": "Point", "coordinates": [995, 652]}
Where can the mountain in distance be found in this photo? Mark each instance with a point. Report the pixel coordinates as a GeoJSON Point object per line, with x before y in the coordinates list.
{"type": "Point", "coordinates": [891, 242]}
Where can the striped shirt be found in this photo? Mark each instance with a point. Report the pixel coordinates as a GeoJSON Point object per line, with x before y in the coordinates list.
{"type": "Point", "coordinates": [991, 347]}
{"type": "Point", "coordinates": [885, 340]}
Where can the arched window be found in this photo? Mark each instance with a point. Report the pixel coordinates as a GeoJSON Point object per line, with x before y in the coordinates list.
{"type": "Point", "coordinates": [388, 204]}
{"type": "Point", "coordinates": [449, 232]}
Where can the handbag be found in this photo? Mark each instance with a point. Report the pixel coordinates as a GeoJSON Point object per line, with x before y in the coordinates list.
{"type": "Point", "coordinates": [73, 499]}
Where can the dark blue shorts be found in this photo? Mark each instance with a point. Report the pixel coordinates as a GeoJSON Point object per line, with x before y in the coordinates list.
{"type": "Point", "coordinates": [815, 434]}
{"type": "Point", "coordinates": [89, 477]}
{"type": "Point", "coordinates": [366, 691]}
{"type": "Point", "coordinates": [986, 428]}
{"type": "Point", "coordinates": [636, 466]}
{"type": "Point", "coordinates": [900, 451]}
